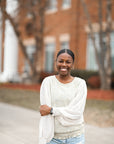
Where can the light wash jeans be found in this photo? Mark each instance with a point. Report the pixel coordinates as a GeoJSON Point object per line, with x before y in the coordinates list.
{"type": "Point", "coordinates": [75, 140]}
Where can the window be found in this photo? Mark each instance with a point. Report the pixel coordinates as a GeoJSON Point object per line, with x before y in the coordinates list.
{"type": "Point", "coordinates": [91, 63]}
{"type": "Point", "coordinates": [64, 40]}
{"type": "Point", "coordinates": [91, 60]}
{"type": "Point", "coordinates": [51, 5]}
{"type": "Point", "coordinates": [30, 50]}
{"type": "Point", "coordinates": [112, 46]}
{"type": "Point", "coordinates": [66, 4]}
{"type": "Point", "coordinates": [65, 45]}
{"type": "Point", "coordinates": [49, 57]}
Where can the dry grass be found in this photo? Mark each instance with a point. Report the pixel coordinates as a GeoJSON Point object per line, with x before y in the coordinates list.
{"type": "Point", "coordinates": [24, 98]}
{"type": "Point", "coordinates": [97, 112]}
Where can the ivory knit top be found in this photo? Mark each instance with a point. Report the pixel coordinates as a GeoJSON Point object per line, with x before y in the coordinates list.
{"type": "Point", "coordinates": [68, 102]}
{"type": "Point", "coordinates": [62, 95]}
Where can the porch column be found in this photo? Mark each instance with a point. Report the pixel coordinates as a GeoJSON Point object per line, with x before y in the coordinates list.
{"type": "Point", "coordinates": [0, 41]}
{"type": "Point", "coordinates": [10, 67]}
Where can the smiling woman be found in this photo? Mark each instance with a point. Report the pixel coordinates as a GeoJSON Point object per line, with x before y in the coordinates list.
{"type": "Point", "coordinates": [62, 99]}
{"type": "Point", "coordinates": [64, 64]}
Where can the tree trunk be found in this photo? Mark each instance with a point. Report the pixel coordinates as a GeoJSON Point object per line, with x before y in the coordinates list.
{"type": "Point", "coordinates": [108, 51]}
{"type": "Point", "coordinates": [39, 34]}
{"type": "Point", "coordinates": [104, 73]}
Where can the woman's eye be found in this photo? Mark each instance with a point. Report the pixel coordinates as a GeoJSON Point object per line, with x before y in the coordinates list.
{"type": "Point", "coordinates": [68, 62]}
{"type": "Point", "coordinates": [60, 61]}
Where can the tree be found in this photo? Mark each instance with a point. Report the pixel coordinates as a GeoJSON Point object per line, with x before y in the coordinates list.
{"type": "Point", "coordinates": [104, 62]}
{"type": "Point", "coordinates": [35, 9]}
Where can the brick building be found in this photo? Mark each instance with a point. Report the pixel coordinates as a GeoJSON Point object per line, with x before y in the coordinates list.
{"type": "Point", "coordinates": [66, 27]}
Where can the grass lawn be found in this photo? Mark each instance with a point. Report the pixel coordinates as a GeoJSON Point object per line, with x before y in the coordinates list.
{"type": "Point", "coordinates": [97, 112]}
{"type": "Point", "coordinates": [24, 98]}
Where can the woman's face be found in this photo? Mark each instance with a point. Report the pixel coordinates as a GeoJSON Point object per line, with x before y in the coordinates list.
{"type": "Point", "coordinates": [64, 64]}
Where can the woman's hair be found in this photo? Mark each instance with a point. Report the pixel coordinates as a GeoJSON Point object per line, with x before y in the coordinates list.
{"type": "Point", "coordinates": [66, 51]}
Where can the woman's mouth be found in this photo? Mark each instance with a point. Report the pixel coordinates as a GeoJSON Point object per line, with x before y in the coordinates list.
{"type": "Point", "coordinates": [63, 69]}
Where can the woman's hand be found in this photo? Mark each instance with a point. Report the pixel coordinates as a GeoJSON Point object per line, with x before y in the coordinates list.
{"type": "Point", "coordinates": [44, 110]}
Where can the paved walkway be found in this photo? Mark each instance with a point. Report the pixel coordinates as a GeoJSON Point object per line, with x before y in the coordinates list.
{"type": "Point", "coordinates": [20, 126]}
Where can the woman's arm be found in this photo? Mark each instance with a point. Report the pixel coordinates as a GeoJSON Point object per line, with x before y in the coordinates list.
{"type": "Point", "coordinates": [76, 107]}
{"type": "Point", "coordinates": [45, 99]}
{"type": "Point", "coordinates": [73, 113]}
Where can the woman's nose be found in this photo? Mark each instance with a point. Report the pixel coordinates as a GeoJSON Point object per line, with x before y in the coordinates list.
{"type": "Point", "coordinates": [64, 63]}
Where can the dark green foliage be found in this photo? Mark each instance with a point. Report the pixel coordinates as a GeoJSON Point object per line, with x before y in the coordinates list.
{"type": "Point", "coordinates": [85, 74]}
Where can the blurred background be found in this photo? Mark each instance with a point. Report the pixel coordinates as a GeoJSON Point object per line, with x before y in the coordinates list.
{"type": "Point", "coordinates": [33, 31]}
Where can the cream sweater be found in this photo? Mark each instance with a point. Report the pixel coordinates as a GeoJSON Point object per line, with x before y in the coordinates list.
{"type": "Point", "coordinates": [67, 113]}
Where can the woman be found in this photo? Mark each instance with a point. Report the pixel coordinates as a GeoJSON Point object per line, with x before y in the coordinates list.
{"type": "Point", "coordinates": [63, 99]}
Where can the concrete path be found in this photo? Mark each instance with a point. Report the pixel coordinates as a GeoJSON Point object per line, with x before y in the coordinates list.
{"type": "Point", "coordinates": [20, 126]}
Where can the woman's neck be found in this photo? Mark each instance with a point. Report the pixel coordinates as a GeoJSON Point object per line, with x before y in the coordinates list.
{"type": "Point", "coordinates": [64, 79]}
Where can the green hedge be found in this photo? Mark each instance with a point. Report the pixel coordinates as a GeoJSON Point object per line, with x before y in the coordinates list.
{"type": "Point", "coordinates": [85, 74]}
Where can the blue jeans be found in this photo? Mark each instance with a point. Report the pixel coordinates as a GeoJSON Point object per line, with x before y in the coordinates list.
{"type": "Point", "coordinates": [75, 140]}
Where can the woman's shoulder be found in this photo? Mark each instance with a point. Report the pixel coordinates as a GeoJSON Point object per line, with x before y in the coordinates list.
{"type": "Point", "coordinates": [79, 80]}
{"type": "Point", "coordinates": [48, 78]}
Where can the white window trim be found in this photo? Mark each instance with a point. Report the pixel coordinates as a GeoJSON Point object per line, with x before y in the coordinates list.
{"type": "Point", "coordinates": [49, 39]}
{"type": "Point", "coordinates": [30, 41]}
{"type": "Point", "coordinates": [67, 7]}
{"type": "Point", "coordinates": [51, 11]}
{"type": "Point", "coordinates": [87, 59]}
{"type": "Point", "coordinates": [64, 37]}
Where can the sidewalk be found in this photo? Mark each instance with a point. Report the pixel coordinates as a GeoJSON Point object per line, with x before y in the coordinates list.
{"type": "Point", "coordinates": [20, 126]}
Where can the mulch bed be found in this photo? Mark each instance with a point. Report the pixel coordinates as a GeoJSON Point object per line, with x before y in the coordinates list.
{"type": "Point", "coordinates": [34, 87]}
{"type": "Point", "coordinates": [92, 94]}
{"type": "Point", "coordinates": [101, 94]}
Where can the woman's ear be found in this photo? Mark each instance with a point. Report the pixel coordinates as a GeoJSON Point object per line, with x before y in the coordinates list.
{"type": "Point", "coordinates": [55, 63]}
{"type": "Point", "coordinates": [73, 66]}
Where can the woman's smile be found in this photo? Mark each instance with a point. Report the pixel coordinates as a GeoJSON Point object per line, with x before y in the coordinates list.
{"type": "Point", "coordinates": [63, 69]}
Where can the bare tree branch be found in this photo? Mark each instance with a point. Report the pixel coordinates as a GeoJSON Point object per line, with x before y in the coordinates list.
{"type": "Point", "coordinates": [101, 33]}
{"type": "Point", "coordinates": [91, 31]}
{"type": "Point", "coordinates": [108, 67]}
{"type": "Point", "coordinates": [19, 39]}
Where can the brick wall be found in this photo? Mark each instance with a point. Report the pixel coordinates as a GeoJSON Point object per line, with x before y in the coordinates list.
{"type": "Point", "coordinates": [71, 21]}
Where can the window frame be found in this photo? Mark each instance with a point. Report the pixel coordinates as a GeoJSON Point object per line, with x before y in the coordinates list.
{"type": "Point", "coordinates": [49, 47]}
{"type": "Point", "coordinates": [51, 9]}
{"type": "Point", "coordinates": [66, 6]}
{"type": "Point", "coordinates": [64, 47]}
{"type": "Point", "coordinates": [30, 50]}
{"type": "Point", "coordinates": [92, 50]}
